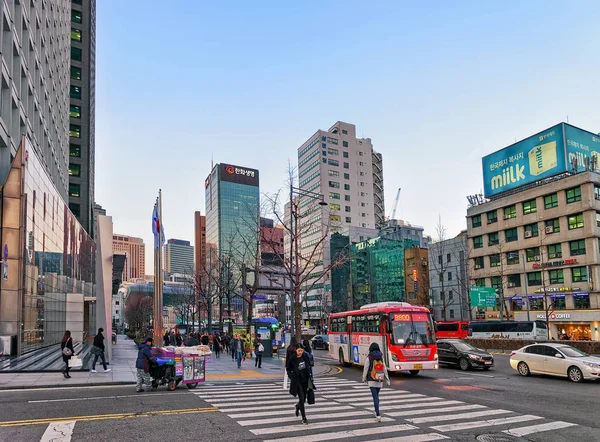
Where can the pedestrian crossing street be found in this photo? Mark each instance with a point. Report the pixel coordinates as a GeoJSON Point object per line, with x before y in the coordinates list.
{"type": "Point", "coordinates": [344, 410]}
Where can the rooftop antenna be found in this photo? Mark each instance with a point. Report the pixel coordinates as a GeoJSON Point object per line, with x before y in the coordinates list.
{"type": "Point", "coordinates": [567, 118]}
{"type": "Point", "coordinates": [212, 162]}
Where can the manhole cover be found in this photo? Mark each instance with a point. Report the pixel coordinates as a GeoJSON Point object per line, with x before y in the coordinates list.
{"type": "Point", "coordinates": [495, 438]}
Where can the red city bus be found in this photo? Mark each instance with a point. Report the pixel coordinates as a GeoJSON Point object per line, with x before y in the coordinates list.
{"type": "Point", "coordinates": [451, 329]}
{"type": "Point", "coordinates": [405, 334]}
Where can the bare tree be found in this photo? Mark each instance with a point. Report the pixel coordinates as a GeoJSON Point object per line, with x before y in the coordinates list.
{"type": "Point", "coordinates": [138, 314]}
{"type": "Point", "coordinates": [438, 250]}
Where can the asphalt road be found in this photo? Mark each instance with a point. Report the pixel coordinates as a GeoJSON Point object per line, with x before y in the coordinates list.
{"type": "Point", "coordinates": [118, 413]}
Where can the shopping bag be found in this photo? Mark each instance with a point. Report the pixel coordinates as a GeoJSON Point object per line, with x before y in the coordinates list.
{"type": "Point", "coordinates": [286, 380]}
{"type": "Point", "coordinates": [75, 362]}
{"type": "Point", "coordinates": [310, 396]}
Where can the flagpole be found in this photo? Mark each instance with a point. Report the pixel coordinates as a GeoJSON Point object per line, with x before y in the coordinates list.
{"type": "Point", "coordinates": [159, 299]}
{"type": "Point", "coordinates": [157, 310]}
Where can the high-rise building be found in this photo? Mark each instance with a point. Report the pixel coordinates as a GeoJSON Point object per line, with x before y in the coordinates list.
{"type": "Point", "coordinates": [35, 43]}
{"type": "Point", "coordinates": [349, 175]}
{"type": "Point", "coordinates": [136, 255]}
{"type": "Point", "coordinates": [416, 282]}
{"type": "Point", "coordinates": [97, 210]}
{"type": "Point", "coordinates": [82, 95]}
{"type": "Point", "coordinates": [179, 257]}
{"type": "Point", "coordinates": [199, 243]}
{"type": "Point", "coordinates": [271, 243]}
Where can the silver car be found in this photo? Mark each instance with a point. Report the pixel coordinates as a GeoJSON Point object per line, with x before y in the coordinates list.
{"type": "Point", "coordinates": [557, 360]}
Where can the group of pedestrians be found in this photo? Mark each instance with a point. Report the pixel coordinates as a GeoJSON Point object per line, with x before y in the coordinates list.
{"type": "Point", "coordinates": [68, 352]}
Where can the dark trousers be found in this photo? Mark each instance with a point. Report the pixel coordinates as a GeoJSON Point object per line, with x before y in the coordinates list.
{"type": "Point", "coordinates": [375, 394]}
{"type": "Point", "coordinates": [96, 360]}
{"type": "Point", "coordinates": [258, 361]}
{"type": "Point", "coordinates": [302, 398]}
{"type": "Point", "coordinates": [67, 368]}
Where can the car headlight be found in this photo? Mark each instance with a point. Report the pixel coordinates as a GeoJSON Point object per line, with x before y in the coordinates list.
{"type": "Point", "coordinates": [394, 357]}
{"type": "Point", "coordinates": [475, 357]}
{"type": "Point", "coordinates": [591, 364]}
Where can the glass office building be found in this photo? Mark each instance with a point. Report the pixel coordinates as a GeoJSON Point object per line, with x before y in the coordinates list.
{"type": "Point", "coordinates": [48, 277]}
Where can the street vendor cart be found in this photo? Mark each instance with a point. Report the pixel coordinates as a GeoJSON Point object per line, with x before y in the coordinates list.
{"type": "Point", "coordinates": [177, 365]}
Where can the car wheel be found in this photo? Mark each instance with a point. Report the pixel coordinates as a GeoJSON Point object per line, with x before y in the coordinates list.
{"type": "Point", "coordinates": [575, 374]}
{"type": "Point", "coordinates": [464, 364]}
{"type": "Point", "coordinates": [523, 369]}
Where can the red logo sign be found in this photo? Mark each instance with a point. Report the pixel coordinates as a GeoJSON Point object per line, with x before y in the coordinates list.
{"type": "Point", "coordinates": [230, 170]}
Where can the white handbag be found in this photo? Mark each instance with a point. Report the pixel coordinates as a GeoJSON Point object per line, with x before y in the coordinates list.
{"type": "Point", "coordinates": [75, 362]}
{"type": "Point", "coordinates": [286, 380]}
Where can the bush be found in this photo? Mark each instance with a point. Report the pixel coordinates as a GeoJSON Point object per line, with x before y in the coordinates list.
{"type": "Point", "coordinates": [507, 345]}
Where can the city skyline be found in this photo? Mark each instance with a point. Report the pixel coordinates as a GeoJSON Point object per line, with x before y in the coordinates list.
{"type": "Point", "coordinates": [423, 95]}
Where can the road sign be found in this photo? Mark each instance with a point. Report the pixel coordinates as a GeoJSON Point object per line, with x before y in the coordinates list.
{"type": "Point", "coordinates": [483, 296]}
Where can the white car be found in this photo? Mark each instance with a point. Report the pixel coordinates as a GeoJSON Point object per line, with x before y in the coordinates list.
{"type": "Point", "coordinates": [557, 360]}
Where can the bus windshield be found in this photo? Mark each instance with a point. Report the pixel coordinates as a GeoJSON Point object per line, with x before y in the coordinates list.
{"type": "Point", "coordinates": [411, 329]}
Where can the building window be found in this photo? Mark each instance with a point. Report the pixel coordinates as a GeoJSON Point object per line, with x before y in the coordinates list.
{"type": "Point", "coordinates": [573, 195]}
{"type": "Point", "coordinates": [74, 190]}
{"type": "Point", "coordinates": [514, 280]}
{"type": "Point", "coordinates": [582, 302]}
{"type": "Point", "coordinates": [334, 196]}
{"type": "Point", "coordinates": [551, 201]}
{"type": "Point", "coordinates": [335, 218]}
{"type": "Point", "coordinates": [492, 217]}
{"type": "Point", "coordinates": [556, 277]}
{"type": "Point", "coordinates": [493, 239]}
{"type": "Point", "coordinates": [345, 154]}
{"type": "Point", "coordinates": [334, 184]}
{"type": "Point", "coordinates": [75, 111]}
{"type": "Point", "coordinates": [346, 166]}
{"type": "Point", "coordinates": [476, 221]}
{"type": "Point", "coordinates": [346, 176]}
{"type": "Point", "coordinates": [76, 54]}
{"type": "Point", "coordinates": [347, 187]}
{"type": "Point", "coordinates": [510, 212]}
{"type": "Point", "coordinates": [75, 92]}
{"type": "Point", "coordinates": [75, 131]}
{"type": "Point", "coordinates": [332, 151]}
{"type": "Point", "coordinates": [534, 279]}
{"type": "Point", "coordinates": [531, 230]}
{"type": "Point", "coordinates": [347, 208]}
{"type": "Point", "coordinates": [575, 221]}
{"type": "Point", "coordinates": [451, 313]}
{"type": "Point", "coordinates": [448, 258]}
{"type": "Point", "coordinates": [449, 276]}
{"type": "Point", "coordinates": [478, 242]}
{"type": "Point", "coordinates": [344, 131]}
{"type": "Point", "coordinates": [76, 16]}
{"type": "Point", "coordinates": [497, 282]}
{"type": "Point", "coordinates": [596, 192]}
{"type": "Point", "coordinates": [74, 169]}
{"type": "Point", "coordinates": [74, 150]}
{"type": "Point", "coordinates": [552, 226]}
{"type": "Point", "coordinates": [577, 247]}
{"type": "Point", "coordinates": [559, 303]}
{"type": "Point", "coordinates": [346, 197]}
{"type": "Point", "coordinates": [333, 162]}
{"type": "Point", "coordinates": [479, 264]}
{"type": "Point", "coordinates": [75, 73]}
{"type": "Point", "coordinates": [450, 295]}
{"type": "Point", "coordinates": [480, 282]}
{"type": "Point", "coordinates": [76, 34]}
{"type": "Point", "coordinates": [579, 274]}
{"type": "Point", "coordinates": [75, 209]}
{"type": "Point", "coordinates": [345, 143]}
{"type": "Point", "coordinates": [511, 235]}
{"type": "Point", "coordinates": [598, 219]}
{"type": "Point", "coordinates": [348, 219]}
{"type": "Point", "coordinates": [512, 258]}
{"type": "Point", "coordinates": [334, 206]}
{"type": "Point", "coordinates": [554, 251]}
{"type": "Point", "coordinates": [529, 207]}
{"type": "Point", "coordinates": [532, 254]}
{"type": "Point", "coordinates": [495, 260]}
{"type": "Point", "coordinates": [334, 173]}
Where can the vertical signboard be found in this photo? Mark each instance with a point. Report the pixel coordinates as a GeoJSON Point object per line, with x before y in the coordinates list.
{"type": "Point", "coordinates": [583, 149]}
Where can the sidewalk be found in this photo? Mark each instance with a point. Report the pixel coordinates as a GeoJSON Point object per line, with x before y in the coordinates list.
{"type": "Point", "coordinates": [122, 371]}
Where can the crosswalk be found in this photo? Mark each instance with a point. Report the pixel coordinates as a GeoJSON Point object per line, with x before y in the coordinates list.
{"type": "Point", "coordinates": [344, 410]}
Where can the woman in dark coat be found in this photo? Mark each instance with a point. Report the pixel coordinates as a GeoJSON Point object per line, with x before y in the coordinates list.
{"type": "Point", "coordinates": [67, 342]}
{"type": "Point", "coordinates": [300, 374]}
{"type": "Point", "coordinates": [291, 350]}
{"type": "Point", "coordinates": [98, 350]}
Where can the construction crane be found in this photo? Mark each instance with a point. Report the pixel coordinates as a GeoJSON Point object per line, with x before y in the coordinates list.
{"type": "Point", "coordinates": [396, 203]}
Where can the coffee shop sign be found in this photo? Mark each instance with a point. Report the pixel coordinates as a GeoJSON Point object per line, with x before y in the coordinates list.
{"type": "Point", "coordinates": [557, 289]}
{"type": "Point", "coordinates": [554, 316]}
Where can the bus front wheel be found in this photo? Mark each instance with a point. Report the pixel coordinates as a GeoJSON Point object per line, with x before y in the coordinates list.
{"type": "Point", "coordinates": [343, 363]}
{"type": "Point", "coordinates": [413, 372]}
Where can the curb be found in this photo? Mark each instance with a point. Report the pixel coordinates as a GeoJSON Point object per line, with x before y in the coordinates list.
{"type": "Point", "coordinates": [33, 387]}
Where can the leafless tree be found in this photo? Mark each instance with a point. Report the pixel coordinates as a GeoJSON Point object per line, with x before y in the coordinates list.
{"type": "Point", "coordinates": [138, 314]}
{"type": "Point", "coordinates": [438, 251]}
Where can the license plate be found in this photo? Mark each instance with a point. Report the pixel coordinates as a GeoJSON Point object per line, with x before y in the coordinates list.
{"type": "Point", "coordinates": [418, 367]}
{"type": "Point", "coordinates": [488, 362]}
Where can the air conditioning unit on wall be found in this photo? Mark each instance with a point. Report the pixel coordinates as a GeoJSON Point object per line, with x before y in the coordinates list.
{"type": "Point", "coordinates": [528, 234]}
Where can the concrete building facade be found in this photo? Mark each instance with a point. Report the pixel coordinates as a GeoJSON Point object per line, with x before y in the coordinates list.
{"type": "Point", "coordinates": [179, 257]}
{"type": "Point", "coordinates": [199, 243]}
{"type": "Point", "coordinates": [416, 282]}
{"type": "Point", "coordinates": [135, 250]}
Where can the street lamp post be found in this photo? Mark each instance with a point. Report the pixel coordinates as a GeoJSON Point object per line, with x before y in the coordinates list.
{"type": "Point", "coordinates": [293, 238]}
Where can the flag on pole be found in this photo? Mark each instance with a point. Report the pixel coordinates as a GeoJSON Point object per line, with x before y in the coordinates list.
{"type": "Point", "coordinates": [157, 228]}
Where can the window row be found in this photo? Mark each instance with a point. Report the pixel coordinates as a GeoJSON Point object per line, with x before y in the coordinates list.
{"type": "Point", "coordinates": [534, 279]}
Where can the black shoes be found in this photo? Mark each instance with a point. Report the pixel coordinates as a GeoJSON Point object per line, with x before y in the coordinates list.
{"type": "Point", "coordinates": [304, 421]}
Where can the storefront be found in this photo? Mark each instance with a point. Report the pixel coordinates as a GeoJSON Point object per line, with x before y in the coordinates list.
{"type": "Point", "coordinates": [575, 324]}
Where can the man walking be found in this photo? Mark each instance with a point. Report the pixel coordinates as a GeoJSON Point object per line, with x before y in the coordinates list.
{"type": "Point", "coordinates": [258, 351]}
{"type": "Point", "coordinates": [237, 349]}
{"type": "Point", "coordinates": [144, 359]}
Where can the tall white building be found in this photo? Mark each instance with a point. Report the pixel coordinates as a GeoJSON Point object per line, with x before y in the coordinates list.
{"type": "Point", "coordinates": [349, 174]}
{"type": "Point", "coordinates": [179, 257]}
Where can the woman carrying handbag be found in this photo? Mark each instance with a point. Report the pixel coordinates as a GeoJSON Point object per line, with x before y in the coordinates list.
{"type": "Point", "coordinates": [300, 379]}
{"type": "Point", "coordinates": [66, 347]}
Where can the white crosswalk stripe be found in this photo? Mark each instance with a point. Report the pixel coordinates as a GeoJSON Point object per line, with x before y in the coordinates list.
{"type": "Point", "coordinates": [344, 410]}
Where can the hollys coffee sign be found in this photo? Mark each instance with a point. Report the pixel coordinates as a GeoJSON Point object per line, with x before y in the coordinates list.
{"type": "Point", "coordinates": [554, 316]}
{"type": "Point", "coordinates": [240, 175]}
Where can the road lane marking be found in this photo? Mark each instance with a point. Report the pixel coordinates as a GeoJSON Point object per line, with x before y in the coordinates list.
{"type": "Point", "coordinates": [420, 405]}
{"type": "Point", "coordinates": [58, 432]}
{"type": "Point", "coordinates": [433, 410]}
{"type": "Point", "coordinates": [416, 438]}
{"type": "Point", "coordinates": [397, 401]}
{"type": "Point", "coordinates": [317, 426]}
{"type": "Point", "coordinates": [481, 375]}
{"type": "Point", "coordinates": [349, 433]}
{"type": "Point", "coordinates": [524, 431]}
{"type": "Point", "coordinates": [253, 402]}
{"type": "Point", "coordinates": [103, 397]}
{"type": "Point", "coordinates": [488, 423]}
{"type": "Point", "coordinates": [451, 417]}
{"type": "Point", "coordinates": [277, 407]}
{"type": "Point", "coordinates": [106, 416]}
{"type": "Point", "coordinates": [316, 417]}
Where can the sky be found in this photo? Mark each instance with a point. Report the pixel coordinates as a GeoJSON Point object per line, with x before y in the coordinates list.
{"type": "Point", "coordinates": [435, 85]}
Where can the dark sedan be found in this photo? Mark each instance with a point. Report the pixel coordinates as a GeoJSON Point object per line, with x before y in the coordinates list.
{"type": "Point", "coordinates": [458, 353]}
{"type": "Point", "coordinates": [320, 342]}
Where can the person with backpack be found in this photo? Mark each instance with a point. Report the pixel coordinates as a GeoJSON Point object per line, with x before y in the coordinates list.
{"type": "Point", "coordinates": [374, 373]}
{"type": "Point", "coordinates": [309, 352]}
{"type": "Point", "coordinates": [258, 351]}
